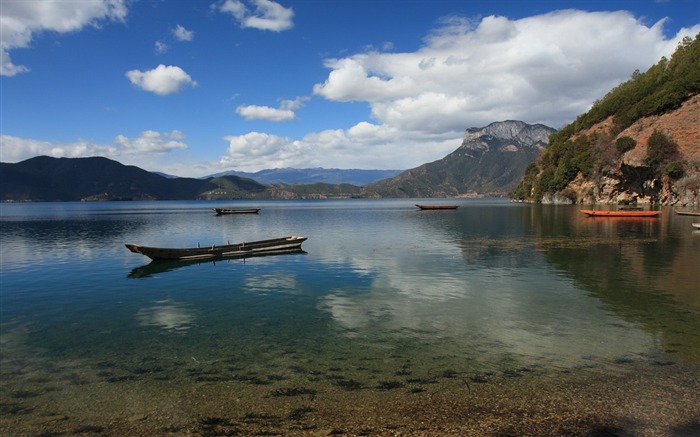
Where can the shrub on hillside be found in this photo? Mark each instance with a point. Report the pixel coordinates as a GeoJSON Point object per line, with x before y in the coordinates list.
{"type": "Point", "coordinates": [625, 144]}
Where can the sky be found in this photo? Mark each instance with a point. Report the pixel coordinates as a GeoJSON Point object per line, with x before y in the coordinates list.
{"type": "Point", "coordinates": [197, 87]}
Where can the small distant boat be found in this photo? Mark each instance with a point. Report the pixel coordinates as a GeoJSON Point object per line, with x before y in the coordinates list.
{"type": "Point", "coordinates": [687, 213]}
{"type": "Point", "coordinates": [437, 206]}
{"type": "Point", "coordinates": [625, 213]}
{"type": "Point", "coordinates": [252, 248]}
{"type": "Point", "coordinates": [222, 211]}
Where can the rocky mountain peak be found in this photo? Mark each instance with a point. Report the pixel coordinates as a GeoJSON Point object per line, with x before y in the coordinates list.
{"type": "Point", "coordinates": [508, 131]}
{"type": "Point", "coordinates": [491, 160]}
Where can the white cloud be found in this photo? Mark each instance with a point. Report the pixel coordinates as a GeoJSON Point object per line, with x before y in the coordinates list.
{"type": "Point", "coordinates": [529, 69]}
{"type": "Point", "coordinates": [15, 149]}
{"type": "Point", "coordinates": [283, 113]}
{"type": "Point", "coordinates": [266, 15]}
{"type": "Point", "coordinates": [255, 144]}
{"type": "Point", "coordinates": [162, 80]}
{"type": "Point", "coordinates": [365, 145]}
{"type": "Point", "coordinates": [21, 20]}
{"type": "Point", "coordinates": [182, 34]}
{"type": "Point", "coordinates": [151, 142]}
{"type": "Point", "coordinates": [254, 112]}
{"type": "Point", "coordinates": [160, 47]}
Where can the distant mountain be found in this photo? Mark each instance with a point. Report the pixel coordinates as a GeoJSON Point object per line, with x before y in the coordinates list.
{"type": "Point", "coordinates": [491, 160]}
{"type": "Point", "coordinates": [72, 179]}
{"type": "Point", "coordinates": [315, 175]}
{"type": "Point", "coordinates": [169, 176]}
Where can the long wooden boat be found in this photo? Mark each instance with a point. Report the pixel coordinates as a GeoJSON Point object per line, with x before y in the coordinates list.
{"type": "Point", "coordinates": [222, 211]}
{"type": "Point", "coordinates": [625, 213]}
{"type": "Point", "coordinates": [155, 267]}
{"type": "Point", "coordinates": [252, 248]}
{"type": "Point", "coordinates": [687, 213]}
{"type": "Point", "coordinates": [429, 207]}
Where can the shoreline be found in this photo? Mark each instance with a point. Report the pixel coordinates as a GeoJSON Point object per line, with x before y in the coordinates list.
{"type": "Point", "coordinates": [642, 399]}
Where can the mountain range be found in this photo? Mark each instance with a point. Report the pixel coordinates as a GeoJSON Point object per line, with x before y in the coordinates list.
{"type": "Point", "coordinates": [490, 160]}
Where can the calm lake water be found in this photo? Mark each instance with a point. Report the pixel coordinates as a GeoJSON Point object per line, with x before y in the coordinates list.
{"type": "Point", "coordinates": [385, 298]}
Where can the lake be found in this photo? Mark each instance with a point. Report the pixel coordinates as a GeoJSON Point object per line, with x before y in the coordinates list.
{"type": "Point", "coordinates": [497, 318]}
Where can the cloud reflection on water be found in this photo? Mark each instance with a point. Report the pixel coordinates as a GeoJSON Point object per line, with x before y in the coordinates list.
{"type": "Point", "coordinates": [523, 310]}
{"type": "Point", "coordinates": [167, 314]}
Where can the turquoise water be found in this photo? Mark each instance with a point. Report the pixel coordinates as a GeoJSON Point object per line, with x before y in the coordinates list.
{"type": "Point", "coordinates": [384, 294]}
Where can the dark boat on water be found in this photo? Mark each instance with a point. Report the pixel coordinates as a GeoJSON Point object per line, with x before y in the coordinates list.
{"type": "Point", "coordinates": [623, 213]}
{"type": "Point", "coordinates": [222, 211]}
{"type": "Point", "coordinates": [241, 250]}
{"type": "Point", "coordinates": [162, 266]}
{"type": "Point", "coordinates": [431, 207]}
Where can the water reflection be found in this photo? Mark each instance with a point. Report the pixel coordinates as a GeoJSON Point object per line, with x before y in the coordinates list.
{"type": "Point", "coordinates": [169, 315]}
{"type": "Point", "coordinates": [499, 314]}
{"type": "Point", "coordinates": [387, 298]}
{"type": "Point", "coordinates": [544, 284]}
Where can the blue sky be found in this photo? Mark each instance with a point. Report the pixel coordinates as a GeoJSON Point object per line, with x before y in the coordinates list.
{"type": "Point", "coordinates": [196, 87]}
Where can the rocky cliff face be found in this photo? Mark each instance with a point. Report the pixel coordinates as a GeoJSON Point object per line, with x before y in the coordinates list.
{"type": "Point", "coordinates": [629, 179]}
{"type": "Point", "coordinates": [491, 160]}
{"type": "Point", "coordinates": [525, 135]}
{"type": "Point", "coordinates": [504, 137]}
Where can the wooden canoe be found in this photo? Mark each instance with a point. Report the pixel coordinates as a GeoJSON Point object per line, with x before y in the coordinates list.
{"type": "Point", "coordinates": [696, 225]}
{"type": "Point", "coordinates": [252, 248]}
{"type": "Point", "coordinates": [430, 207]}
{"type": "Point", "coordinates": [687, 213]}
{"type": "Point", "coordinates": [163, 266]}
{"type": "Point", "coordinates": [625, 213]}
{"type": "Point", "coordinates": [222, 211]}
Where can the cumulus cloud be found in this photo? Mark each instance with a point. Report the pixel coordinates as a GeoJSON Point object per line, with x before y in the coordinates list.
{"type": "Point", "coordinates": [364, 145]}
{"type": "Point", "coordinates": [547, 68]}
{"type": "Point", "coordinates": [255, 145]}
{"type": "Point", "coordinates": [254, 112]}
{"type": "Point", "coordinates": [15, 149]}
{"type": "Point", "coordinates": [264, 15]}
{"type": "Point", "coordinates": [182, 34]}
{"type": "Point", "coordinates": [21, 20]}
{"type": "Point", "coordinates": [151, 142]}
{"type": "Point", "coordinates": [162, 80]}
{"type": "Point", "coordinates": [542, 69]}
{"type": "Point", "coordinates": [283, 113]}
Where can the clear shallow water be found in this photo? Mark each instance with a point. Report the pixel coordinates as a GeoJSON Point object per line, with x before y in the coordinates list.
{"type": "Point", "coordinates": [385, 294]}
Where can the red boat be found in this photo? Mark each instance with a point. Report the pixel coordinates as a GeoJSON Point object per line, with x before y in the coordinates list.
{"type": "Point", "coordinates": [625, 213]}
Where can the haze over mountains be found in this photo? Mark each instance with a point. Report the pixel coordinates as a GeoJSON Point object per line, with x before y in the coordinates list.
{"type": "Point", "coordinates": [314, 175]}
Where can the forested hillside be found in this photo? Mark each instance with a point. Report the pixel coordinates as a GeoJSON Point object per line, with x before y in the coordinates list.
{"type": "Point", "coordinates": [72, 179]}
{"type": "Point", "coordinates": [639, 144]}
